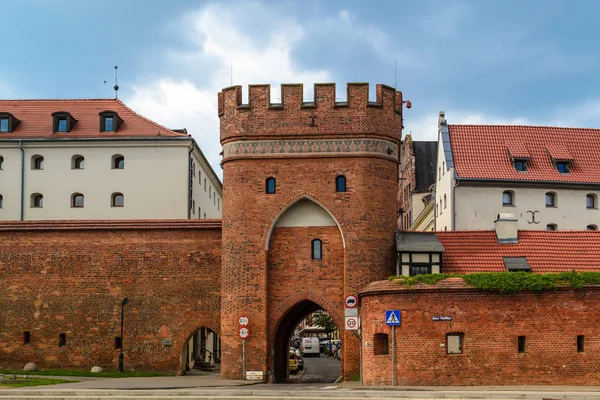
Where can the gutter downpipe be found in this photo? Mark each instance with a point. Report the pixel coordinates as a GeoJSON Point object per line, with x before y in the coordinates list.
{"type": "Point", "coordinates": [22, 178]}
{"type": "Point", "coordinates": [454, 201]}
{"type": "Point", "coordinates": [189, 189]}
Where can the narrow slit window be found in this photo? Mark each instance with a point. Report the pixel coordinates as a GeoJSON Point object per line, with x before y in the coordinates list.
{"type": "Point", "coordinates": [521, 344]}
{"type": "Point", "coordinates": [340, 184]}
{"type": "Point", "coordinates": [580, 343]}
{"type": "Point", "coordinates": [26, 337]}
{"type": "Point", "coordinates": [1, 201]}
{"type": "Point", "coordinates": [62, 339]}
{"type": "Point", "coordinates": [317, 249]}
{"type": "Point", "coordinates": [271, 186]}
{"type": "Point", "coordinates": [118, 342]}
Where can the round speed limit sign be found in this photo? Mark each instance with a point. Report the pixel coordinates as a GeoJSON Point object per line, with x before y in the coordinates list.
{"type": "Point", "coordinates": [243, 320]}
{"type": "Point", "coordinates": [244, 333]}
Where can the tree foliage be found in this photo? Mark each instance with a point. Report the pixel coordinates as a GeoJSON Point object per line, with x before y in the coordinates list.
{"type": "Point", "coordinates": [324, 320]}
{"type": "Point", "coordinates": [509, 281]}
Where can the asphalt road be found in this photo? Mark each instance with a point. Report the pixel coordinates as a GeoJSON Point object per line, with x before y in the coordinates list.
{"type": "Point", "coordinates": [319, 370]}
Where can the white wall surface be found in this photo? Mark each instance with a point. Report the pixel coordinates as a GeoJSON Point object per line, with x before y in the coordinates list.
{"type": "Point", "coordinates": [154, 181]}
{"type": "Point", "coordinates": [444, 183]}
{"type": "Point", "coordinates": [478, 207]}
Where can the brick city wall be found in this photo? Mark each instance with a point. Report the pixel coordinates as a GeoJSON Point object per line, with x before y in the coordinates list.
{"type": "Point", "coordinates": [491, 324]}
{"type": "Point", "coordinates": [69, 277]}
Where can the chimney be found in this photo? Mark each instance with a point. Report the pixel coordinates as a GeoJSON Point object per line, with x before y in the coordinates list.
{"type": "Point", "coordinates": [506, 228]}
{"type": "Point", "coordinates": [442, 119]}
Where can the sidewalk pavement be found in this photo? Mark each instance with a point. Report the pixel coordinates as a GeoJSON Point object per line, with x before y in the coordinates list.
{"type": "Point", "coordinates": [147, 383]}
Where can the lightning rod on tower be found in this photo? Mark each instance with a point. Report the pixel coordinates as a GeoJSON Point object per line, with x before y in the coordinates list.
{"type": "Point", "coordinates": [116, 87]}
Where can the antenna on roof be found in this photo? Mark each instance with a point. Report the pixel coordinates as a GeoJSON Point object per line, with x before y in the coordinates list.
{"type": "Point", "coordinates": [116, 87]}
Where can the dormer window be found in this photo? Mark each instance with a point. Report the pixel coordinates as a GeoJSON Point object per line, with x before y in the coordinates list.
{"type": "Point", "coordinates": [561, 157]}
{"type": "Point", "coordinates": [521, 165]}
{"type": "Point", "coordinates": [109, 121]}
{"type": "Point", "coordinates": [8, 122]}
{"type": "Point", "coordinates": [63, 122]}
{"type": "Point", "coordinates": [4, 123]}
{"type": "Point", "coordinates": [564, 167]}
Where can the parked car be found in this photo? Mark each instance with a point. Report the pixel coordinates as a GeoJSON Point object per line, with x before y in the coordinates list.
{"type": "Point", "coordinates": [293, 362]}
{"type": "Point", "coordinates": [310, 346]}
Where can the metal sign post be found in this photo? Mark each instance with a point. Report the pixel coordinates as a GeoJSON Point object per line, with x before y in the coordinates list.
{"type": "Point", "coordinates": [393, 353]}
{"type": "Point", "coordinates": [244, 359]}
{"type": "Point", "coordinates": [392, 318]}
{"type": "Point", "coordinates": [244, 333]}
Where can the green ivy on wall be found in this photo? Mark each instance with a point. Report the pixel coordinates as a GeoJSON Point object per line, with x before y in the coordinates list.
{"type": "Point", "coordinates": [507, 282]}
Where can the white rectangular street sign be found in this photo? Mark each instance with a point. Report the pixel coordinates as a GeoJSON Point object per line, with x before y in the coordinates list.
{"type": "Point", "coordinates": [351, 312]}
{"type": "Point", "coordinates": [352, 323]}
{"type": "Point", "coordinates": [254, 375]}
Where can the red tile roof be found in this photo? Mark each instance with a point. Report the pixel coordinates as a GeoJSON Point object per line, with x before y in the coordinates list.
{"type": "Point", "coordinates": [517, 149]}
{"type": "Point", "coordinates": [559, 251]}
{"type": "Point", "coordinates": [36, 119]}
{"type": "Point", "coordinates": [482, 152]}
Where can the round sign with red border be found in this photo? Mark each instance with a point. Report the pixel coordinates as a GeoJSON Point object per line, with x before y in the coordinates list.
{"type": "Point", "coordinates": [351, 301]}
{"type": "Point", "coordinates": [243, 320]}
{"type": "Point", "coordinates": [244, 333]}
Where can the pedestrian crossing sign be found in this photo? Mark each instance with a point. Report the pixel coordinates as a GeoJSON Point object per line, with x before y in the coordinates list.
{"type": "Point", "coordinates": [392, 317]}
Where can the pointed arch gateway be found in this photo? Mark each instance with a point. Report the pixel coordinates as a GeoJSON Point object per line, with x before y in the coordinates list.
{"type": "Point", "coordinates": [304, 211]}
{"type": "Point", "coordinates": [300, 282]}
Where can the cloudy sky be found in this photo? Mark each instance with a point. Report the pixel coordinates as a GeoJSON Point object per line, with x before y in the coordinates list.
{"type": "Point", "coordinates": [515, 62]}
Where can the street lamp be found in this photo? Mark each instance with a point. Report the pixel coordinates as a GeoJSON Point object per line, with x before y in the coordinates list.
{"type": "Point", "coordinates": [124, 302]}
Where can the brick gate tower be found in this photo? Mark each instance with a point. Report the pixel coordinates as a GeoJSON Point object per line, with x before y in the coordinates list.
{"type": "Point", "coordinates": [309, 212]}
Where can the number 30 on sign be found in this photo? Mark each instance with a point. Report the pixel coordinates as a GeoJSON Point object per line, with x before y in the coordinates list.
{"type": "Point", "coordinates": [352, 323]}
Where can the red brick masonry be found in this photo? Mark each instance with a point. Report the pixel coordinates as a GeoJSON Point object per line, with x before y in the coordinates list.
{"type": "Point", "coordinates": [70, 276]}
{"type": "Point", "coordinates": [491, 324]}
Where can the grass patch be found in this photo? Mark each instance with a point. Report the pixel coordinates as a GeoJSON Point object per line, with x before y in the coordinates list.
{"type": "Point", "coordinates": [75, 372]}
{"type": "Point", "coordinates": [356, 378]}
{"type": "Point", "coordinates": [509, 282]}
{"type": "Point", "coordinates": [31, 382]}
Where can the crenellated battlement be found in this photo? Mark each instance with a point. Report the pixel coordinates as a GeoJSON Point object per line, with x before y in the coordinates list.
{"type": "Point", "coordinates": [324, 116]}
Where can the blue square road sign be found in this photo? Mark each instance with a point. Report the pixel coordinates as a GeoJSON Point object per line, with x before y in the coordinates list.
{"type": "Point", "coordinates": [392, 317]}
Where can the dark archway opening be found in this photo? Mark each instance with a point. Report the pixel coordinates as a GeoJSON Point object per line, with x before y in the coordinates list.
{"type": "Point", "coordinates": [202, 352]}
{"type": "Point", "coordinates": [283, 337]}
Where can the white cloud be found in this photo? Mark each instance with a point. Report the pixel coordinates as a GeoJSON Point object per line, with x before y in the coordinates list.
{"type": "Point", "coordinates": [581, 115]}
{"type": "Point", "coordinates": [585, 114]}
{"type": "Point", "coordinates": [425, 126]}
{"type": "Point", "coordinates": [222, 35]}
